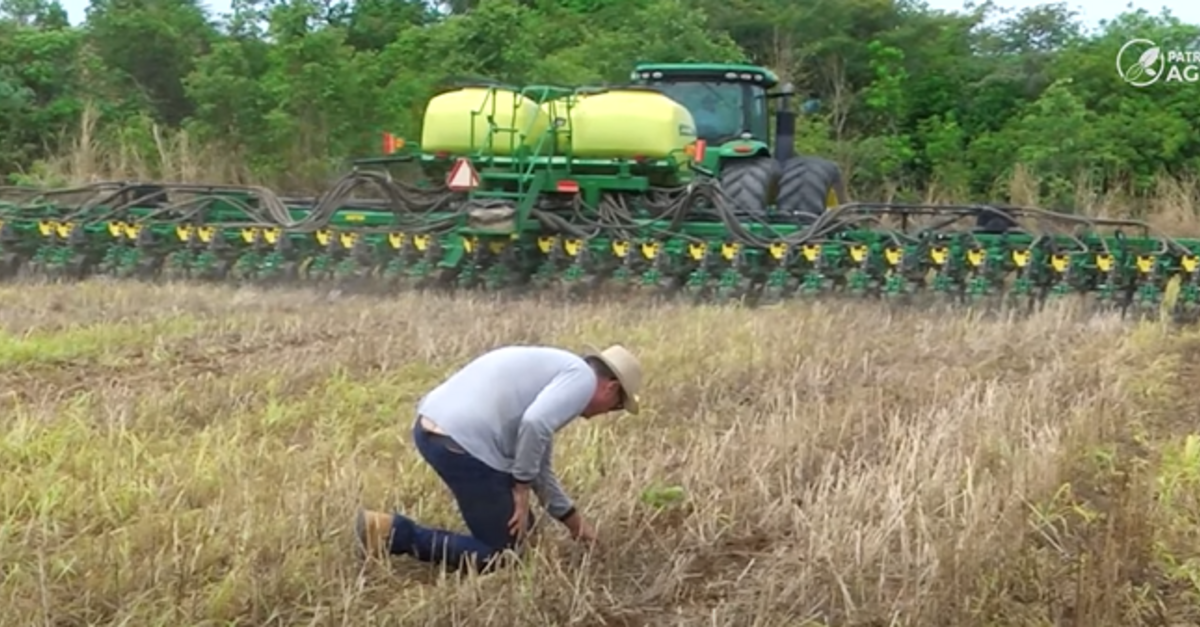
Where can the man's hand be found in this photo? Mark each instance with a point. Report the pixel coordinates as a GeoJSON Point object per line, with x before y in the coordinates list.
{"type": "Point", "coordinates": [586, 533]}
{"type": "Point", "coordinates": [580, 529]}
{"type": "Point", "coordinates": [517, 525]}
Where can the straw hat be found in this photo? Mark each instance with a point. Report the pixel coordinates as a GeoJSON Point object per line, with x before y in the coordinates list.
{"type": "Point", "coordinates": [627, 369]}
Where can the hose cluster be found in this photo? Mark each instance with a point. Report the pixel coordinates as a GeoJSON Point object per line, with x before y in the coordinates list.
{"type": "Point", "coordinates": [661, 212]}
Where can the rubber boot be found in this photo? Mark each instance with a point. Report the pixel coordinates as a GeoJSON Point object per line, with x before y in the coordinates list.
{"type": "Point", "coordinates": [374, 531]}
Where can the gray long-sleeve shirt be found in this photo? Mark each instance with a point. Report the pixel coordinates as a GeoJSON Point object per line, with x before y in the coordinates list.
{"type": "Point", "coordinates": [505, 406]}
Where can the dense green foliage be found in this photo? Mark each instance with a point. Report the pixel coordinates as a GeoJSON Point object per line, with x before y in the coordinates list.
{"type": "Point", "coordinates": [288, 90]}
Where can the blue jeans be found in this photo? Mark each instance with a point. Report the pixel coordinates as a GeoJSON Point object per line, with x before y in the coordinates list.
{"type": "Point", "coordinates": [484, 497]}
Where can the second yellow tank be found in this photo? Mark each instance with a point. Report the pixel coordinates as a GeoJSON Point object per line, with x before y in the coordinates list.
{"type": "Point", "coordinates": [624, 123]}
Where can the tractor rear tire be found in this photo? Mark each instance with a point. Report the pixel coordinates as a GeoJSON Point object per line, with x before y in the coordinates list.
{"type": "Point", "coordinates": [748, 183]}
{"type": "Point", "coordinates": [808, 186]}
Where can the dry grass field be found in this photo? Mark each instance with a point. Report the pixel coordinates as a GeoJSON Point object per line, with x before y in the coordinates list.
{"type": "Point", "coordinates": [194, 456]}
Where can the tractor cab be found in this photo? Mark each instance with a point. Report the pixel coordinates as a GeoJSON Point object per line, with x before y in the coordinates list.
{"type": "Point", "coordinates": [728, 102]}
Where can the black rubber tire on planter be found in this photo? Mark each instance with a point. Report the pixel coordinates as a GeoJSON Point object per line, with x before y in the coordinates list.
{"type": "Point", "coordinates": [805, 184]}
{"type": "Point", "coordinates": [748, 183]}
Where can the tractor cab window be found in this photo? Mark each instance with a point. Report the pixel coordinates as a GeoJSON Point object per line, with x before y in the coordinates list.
{"type": "Point", "coordinates": [717, 107]}
{"type": "Point", "coordinates": [758, 119]}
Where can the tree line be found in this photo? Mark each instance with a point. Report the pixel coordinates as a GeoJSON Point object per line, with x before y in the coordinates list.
{"type": "Point", "coordinates": [288, 91]}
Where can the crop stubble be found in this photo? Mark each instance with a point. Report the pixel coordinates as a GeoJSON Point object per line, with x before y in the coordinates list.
{"type": "Point", "coordinates": [841, 464]}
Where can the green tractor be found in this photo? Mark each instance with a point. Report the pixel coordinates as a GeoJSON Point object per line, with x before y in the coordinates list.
{"type": "Point", "coordinates": [729, 104]}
